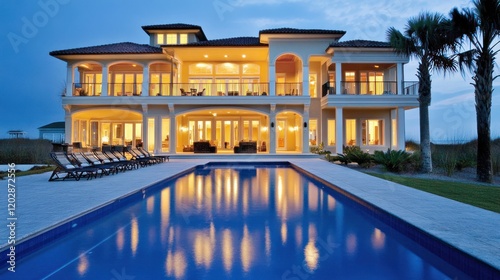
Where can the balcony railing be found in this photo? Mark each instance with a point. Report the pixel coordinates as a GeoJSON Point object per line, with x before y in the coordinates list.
{"type": "Point", "coordinates": [124, 89]}
{"type": "Point", "coordinates": [87, 89]}
{"type": "Point", "coordinates": [288, 89]}
{"type": "Point", "coordinates": [371, 88]}
{"type": "Point", "coordinates": [209, 89]}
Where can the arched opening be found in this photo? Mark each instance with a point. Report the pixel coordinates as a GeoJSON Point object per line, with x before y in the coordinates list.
{"type": "Point", "coordinates": [289, 128]}
{"type": "Point", "coordinates": [125, 79]}
{"type": "Point", "coordinates": [162, 79]}
{"type": "Point", "coordinates": [223, 128]}
{"type": "Point", "coordinates": [100, 127]}
{"type": "Point", "coordinates": [87, 79]}
{"type": "Point", "coordinates": [288, 75]}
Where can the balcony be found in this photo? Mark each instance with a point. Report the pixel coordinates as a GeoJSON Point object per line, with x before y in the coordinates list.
{"type": "Point", "coordinates": [288, 89]}
{"type": "Point", "coordinates": [209, 89]}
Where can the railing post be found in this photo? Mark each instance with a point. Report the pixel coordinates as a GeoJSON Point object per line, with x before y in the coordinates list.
{"type": "Point", "coordinates": [338, 78]}
{"type": "Point", "coordinates": [104, 89]}
{"type": "Point", "coordinates": [399, 79]}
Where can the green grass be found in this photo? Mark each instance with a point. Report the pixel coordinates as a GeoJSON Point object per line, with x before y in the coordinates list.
{"type": "Point", "coordinates": [35, 170]}
{"type": "Point", "coordinates": [486, 197]}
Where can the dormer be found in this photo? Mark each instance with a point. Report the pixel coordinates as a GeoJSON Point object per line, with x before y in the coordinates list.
{"type": "Point", "coordinates": [174, 34]}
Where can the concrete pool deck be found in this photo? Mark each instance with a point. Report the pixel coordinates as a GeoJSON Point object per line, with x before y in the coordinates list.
{"type": "Point", "coordinates": [41, 204]}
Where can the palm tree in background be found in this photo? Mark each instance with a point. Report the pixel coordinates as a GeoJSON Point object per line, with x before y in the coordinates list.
{"type": "Point", "coordinates": [479, 26]}
{"type": "Point", "coordinates": [425, 38]}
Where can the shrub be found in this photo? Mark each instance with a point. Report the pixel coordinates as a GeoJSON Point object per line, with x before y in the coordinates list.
{"type": "Point", "coordinates": [355, 154]}
{"type": "Point", "coordinates": [394, 161]}
{"type": "Point", "coordinates": [24, 151]}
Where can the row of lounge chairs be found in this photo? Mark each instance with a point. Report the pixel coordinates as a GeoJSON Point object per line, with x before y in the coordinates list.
{"type": "Point", "coordinates": [99, 163]}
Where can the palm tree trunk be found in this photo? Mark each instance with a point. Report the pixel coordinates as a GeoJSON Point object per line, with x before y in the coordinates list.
{"type": "Point", "coordinates": [483, 90]}
{"type": "Point", "coordinates": [424, 98]}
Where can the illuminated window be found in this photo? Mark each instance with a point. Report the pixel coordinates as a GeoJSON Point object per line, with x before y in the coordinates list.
{"type": "Point", "coordinates": [165, 133]}
{"type": "Point", "coordinates": [251, 69]}
{"type": "Point", "coordinates": [151, 134]}
{"type": "Point", "coordinates": [200, 69]}
{"type": "Point", "coordinates": [160, 39]}
{"type": "Point", "coordinates": [313, 132]}
{"type": "Point", "coordinates": [183, 39]}
{"type": "Point", "coordinates": [331, 132]}
{"type": "Point", "coordinates": [227, 68]}
{"type": "Point", "coordinates": [350, 132]}
{"type": "Point", "coordinates": [350, 83]}
{"type": "Point", "coordinates": [312, 85]}
{"type": "Point", "coordinates": [372, 132]}
{"type": "Point", "coordinates": [171, 39]}
{"type": "Point", "coordinates": [394, 131]}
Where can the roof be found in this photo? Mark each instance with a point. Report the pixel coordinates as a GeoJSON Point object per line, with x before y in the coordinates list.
{"type": "Point", "coordinates": [360, 44]}
{"type": "Point", "coordinates": [53, 125]}
{"type": "Point", "coordinates": [117, 48]}
{"type": "Point", "coordinates": [300, 31]}
{"type": "Point", "coordinates": [229, 42]}
{"type": "Point", "coordinates": [176, 26]}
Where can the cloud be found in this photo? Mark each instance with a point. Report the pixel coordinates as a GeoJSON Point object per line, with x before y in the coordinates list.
{"type": "Point", "coordinates": [263, 23]}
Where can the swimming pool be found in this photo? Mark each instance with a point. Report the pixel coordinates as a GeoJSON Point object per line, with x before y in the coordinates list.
{"type": "Point", "coordinates": [242, 222]}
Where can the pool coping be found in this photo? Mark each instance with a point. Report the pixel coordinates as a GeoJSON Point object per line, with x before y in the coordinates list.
{"type": "Point", "coordinates": [468, 234]}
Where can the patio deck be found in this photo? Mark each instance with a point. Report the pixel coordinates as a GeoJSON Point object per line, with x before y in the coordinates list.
{"type": "Point", "coordinates": [41, 204]}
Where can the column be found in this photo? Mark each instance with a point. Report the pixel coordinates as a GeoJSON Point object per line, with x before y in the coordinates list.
{"type": "Point", "coordinates": [272, 129]}
{"type": "Point", "coordinates": [339, 130]}
{"type": "Point", "coordinates": [145, 117]}
{"type": "Point", "coordinates": [305, 80]}
{"type": "Point", "coordinates": [305, 125]}
{"type": "Point", "coordinates": [70, 78]}
{"type": "Point", "coordinates": [338, 78]}
{"type": "Point", "coordinates": [145, 80]}
{"type": "Point", "coordinates": [105, 73]}
{"type": "Point", "coordinates": [68, 123]}
{"type": "Point", "coordinates": [401, 128]}
{"type": "Point", "coordinates": [158, 135]}
{"type": "Point", "coordinates": [399, 79]}
{"type": "Point", "coordinates": [173, 130]}
{"type": "Point", "coordinates": [272, 80]}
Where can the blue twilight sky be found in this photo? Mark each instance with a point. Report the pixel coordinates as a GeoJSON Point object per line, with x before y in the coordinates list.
{"type": "Point", "coordinates": [32, 81]}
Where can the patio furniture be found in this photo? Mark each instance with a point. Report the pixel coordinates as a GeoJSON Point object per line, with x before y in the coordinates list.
{"type": "Point", "coordinates": [246, 147]}
{"type": "Point", "coordinates": [71, 169]}
{"type": "Point", "coordinates": [201, 93]}
{"type": "Point", "coordinates": [204, 147]}
{"type": "Point", "coordinates": [148, 154]}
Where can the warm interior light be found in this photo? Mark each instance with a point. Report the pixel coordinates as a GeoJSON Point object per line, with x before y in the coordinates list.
{"type": "Point", "coordinates": [205, 56]}
{"type": "Point", "coordinates": [105, 139]}
{"type": "Point", "coordinates": [225, 55]}
{"type": "Point", "coordinates": [244, 56]}
{"type": "Point", "coordinates": [376, 66]}
{"type": "Point", "coordinates": [183, 129]}
{"type": "Point", "coordinates": [264, 128]}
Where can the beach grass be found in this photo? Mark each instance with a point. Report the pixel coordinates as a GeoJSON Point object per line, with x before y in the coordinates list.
{"type": "Point", "coordinates": [482, 196]}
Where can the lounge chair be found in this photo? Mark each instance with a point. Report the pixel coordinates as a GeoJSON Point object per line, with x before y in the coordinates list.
{"type": "Point", "coordinates": [71, 169]}
{"type": "Point", "coordinates": [139, 157]}
{"type": "Point", "coordinates": [117, 157]}
{"type": "Point", "coordinates": [115, 166]}
{"type": "Point", "coordinates": [83, 161]}
{"type": "Point", "coordinates": [158, 158]}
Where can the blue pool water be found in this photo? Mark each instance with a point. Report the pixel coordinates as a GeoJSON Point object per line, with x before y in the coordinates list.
{"type": "Point", "coordinates": [236, 223]}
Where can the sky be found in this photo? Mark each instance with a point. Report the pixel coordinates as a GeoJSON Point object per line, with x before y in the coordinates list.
{"type": "Point", "coordinates": [32, 81]}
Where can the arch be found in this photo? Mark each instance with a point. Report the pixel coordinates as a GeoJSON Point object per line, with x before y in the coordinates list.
{"type": "Point", "coordinates": [107, 113]}
{"type": "Point", "coordinates": [114, 63]}
{"type": "Point", "coordinates": [288, 72]}
{"type": "Point", "coordinates": [286, 56]}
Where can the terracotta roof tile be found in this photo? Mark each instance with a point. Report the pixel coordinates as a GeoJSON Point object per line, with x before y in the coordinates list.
{"type": "Point", "coordinates": [361, 44]}
{"type": "Point", "coordinates": [117, 48]}
{"type": "Point", "coordinates": [300, 31]}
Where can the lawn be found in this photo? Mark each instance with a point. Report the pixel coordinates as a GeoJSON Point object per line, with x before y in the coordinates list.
{"type": "Point", "coordinates": [486, 197]}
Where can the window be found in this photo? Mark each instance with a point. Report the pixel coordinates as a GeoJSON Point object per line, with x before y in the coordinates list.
{"type": "Point", "coordinates": [331, 132]}
{"type": "Point", "coordinates": [183, 39]}
{"type": "Point", "coordinates": [350, 83]}
{"type": "Point", "coordinates": [372, 132]}
{"type": "Point", "coordinates": [350, 132]}
{"type": "Point", "coordinates": [251, 69]}
{"type": "Point", "coordinates": [372, 82]}
{"type": "Point", "coordinates": [165, 133]}
{"type": "Point", "coordinates": [227, 68]}
{"type": "Point", "coordinates": [394, 131]}
{"type": "Point", "coordinates": [312, 85]}
{"type": "Point", "coordinates": [151, 135]}
{"type": "Point", "coordinates": [200, 69]}
{"type": "Point", "coordinates": [313, 132]}
{"type": "Point", "coordinates": [160, 39]}
{"type": "Point", "coordinates": [171, 39]}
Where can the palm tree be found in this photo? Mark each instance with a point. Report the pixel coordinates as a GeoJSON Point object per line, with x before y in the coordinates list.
{"type": "Point", "coordinates": [425, 38]}
{"type": "Point", "coordinates": [480, 26]}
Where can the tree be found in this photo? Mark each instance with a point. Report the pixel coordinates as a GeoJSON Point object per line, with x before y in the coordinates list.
{"type": "Point", "coordinates": [479, 27]}
{"type": "Point", "coordinates": [425, 38]}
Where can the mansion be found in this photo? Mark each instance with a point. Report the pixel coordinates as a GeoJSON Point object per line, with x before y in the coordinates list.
{"type": "Point", "coordinates": [287, 90]}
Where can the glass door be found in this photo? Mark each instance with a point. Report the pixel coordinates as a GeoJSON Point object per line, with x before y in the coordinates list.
{"type": "Point", "coordinates": [281, 135]}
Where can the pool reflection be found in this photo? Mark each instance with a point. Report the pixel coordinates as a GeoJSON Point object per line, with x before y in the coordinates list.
{"type": "Point", "coordinates": [247, 223]}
